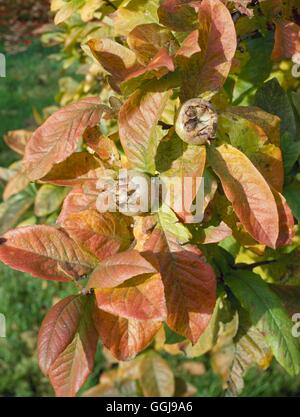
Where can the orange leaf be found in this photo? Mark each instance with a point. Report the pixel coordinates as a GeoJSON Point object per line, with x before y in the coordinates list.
{"type": "Point", "coordinates": [125, 338]}
{"type": "Point", "coordinates": [58, 137]}
{"type": "Point", "coordinates": [140, 298]}
{"type": "Point", "coordinates": [248, 192]}
{"type": "Point", "coordinates": [45, 252]}
{"type": "Point", "coordinates": [115, 270]}
{"type": "Point", "coordinates": [102, 234]}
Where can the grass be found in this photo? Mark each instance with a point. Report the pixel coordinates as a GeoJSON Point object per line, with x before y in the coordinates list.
{"type": "Point", "coordinates": [32, 83]}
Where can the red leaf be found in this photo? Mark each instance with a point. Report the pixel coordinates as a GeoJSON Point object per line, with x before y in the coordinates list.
{"type": "Point", "coordinates": [287, 40]}
{"type": "Point", "coordinates": [208, 69]}
{"type": "Point", "coordinates": [45, 252]}
{"type": "Point", "coordinates": [115, 270]}
{"type": "Point", "coordinates": [190, 284]}
{"type": "Point", "coordinates": [58, 330]}
{"type": "Point", "coordinates": [286, 221]}
{"type": "Point", "coordinates": [125, 338]}
{"type": "Point", "coordinates": [71, 368]}
{"type": "Point", "coordinates": [58, 137]}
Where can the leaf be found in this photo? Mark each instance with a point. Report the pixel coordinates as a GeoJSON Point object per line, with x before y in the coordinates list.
{"type": "Point", "coordinates": [289, 296]}
{"type": "Point", "coordinates": [71, 368]}
{"type": "Point", "coordinates": [119, 268]}
{"type": "Point", "coordinates": [290, 151]}
{"type": "Point", "coordinates": [90, 7]}
{"type": "Point", "coordinates": [287, 40]}
{"type": "Point", "coordinates": [13, 209]}
{"type": "Point", "coordinates": [77, 200]}
{"type": "Point", "coordinates": [58, 330]}
{"type": "Point", "coordinates": [73, 171]}
{"type": "Point", "coordinates": [159, 66]}
{"type": "Point", "coordinates": [292, 195]}
{"type": "Point", "coordinates": [273, 99]}
{"type": "Point", "coordinates": [256, 69]}
{"type": "Point", "coordinates": [208, 69]}
{"type": "Point", "coordinates": [267, 313]}
{"type": "Point", "coordinates": [15, 185]}
{"type": "Point", "coordinates": [250, 195]}
{"type": "Point", "coordinates": [215, 234]}
{"type": "Point", "coordinates": [140, 298]}
{"type": "Point", "coordinates": [48, 199]}
{"type": "Point", "coordinates": [157, 378]}
{"type": "Point", "coordinates": [286, 221]}
{"type": "Point", "coordinates": [17, 140]}
{"type": "Point", "coordinates": [269, 123]}
{"type": "Point", "coordinates": [57, 138]}
{"type": "Point", "coordinates": [177, 15]}
{"type": "Point", "coordinates": [250, 350]}
{"type": "Point", "coordinates": [103, 234]}
{"type": "Point", "coordinates": [134, 13]}
{"type": "Point", "coordinates": [189, 282]}
{"type": "Point", "coordinates": [148, 39]}
{"type": "Point", "coordinates": [138, 129]}
{"type": "Point", "coordinates": [115, 58]}
{"type": "Point", "coordinates": [252, 139]}
{"type": "Point", "coordinates": [176, 159]}
{"type": "Point", "coordinates": [45, 252]}
{"type": "Point", "coordinates": [125, 338]}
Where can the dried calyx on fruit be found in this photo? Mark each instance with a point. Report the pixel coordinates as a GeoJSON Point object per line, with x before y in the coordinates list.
{"type": "Point", "coordinates": [196, 122]}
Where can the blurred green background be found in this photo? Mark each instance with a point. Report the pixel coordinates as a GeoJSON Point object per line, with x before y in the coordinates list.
{"type": "Point", "coordinates": [31, 83]}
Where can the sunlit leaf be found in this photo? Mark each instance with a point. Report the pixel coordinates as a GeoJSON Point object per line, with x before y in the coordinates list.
{"type": "Point", "coordinates": [58, 137]}
{"type": "Point", "coordinates": [45, 252]}
{"type": "Point", "coordinates": [249, 193]}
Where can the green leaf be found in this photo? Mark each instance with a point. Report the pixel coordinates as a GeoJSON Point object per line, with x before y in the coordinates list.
{"type": "Point", "coordinates": [256, 69]}
{"type": "Point", "coordinates": [290, 151]}
{"type": "Point", "coordinates": [267, 313]}
{"type": "Point", "coordinates": [171, 336]}
{"type": "Point", "coordinates": [272, 98]}
{"type": "Point", "coordinates": [292, 195]}
{"type": "Point", "coordinates": [48, 199]}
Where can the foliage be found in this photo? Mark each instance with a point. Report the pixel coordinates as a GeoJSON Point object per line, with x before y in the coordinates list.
{"type": "Point", "coordinates": [155, 282]}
